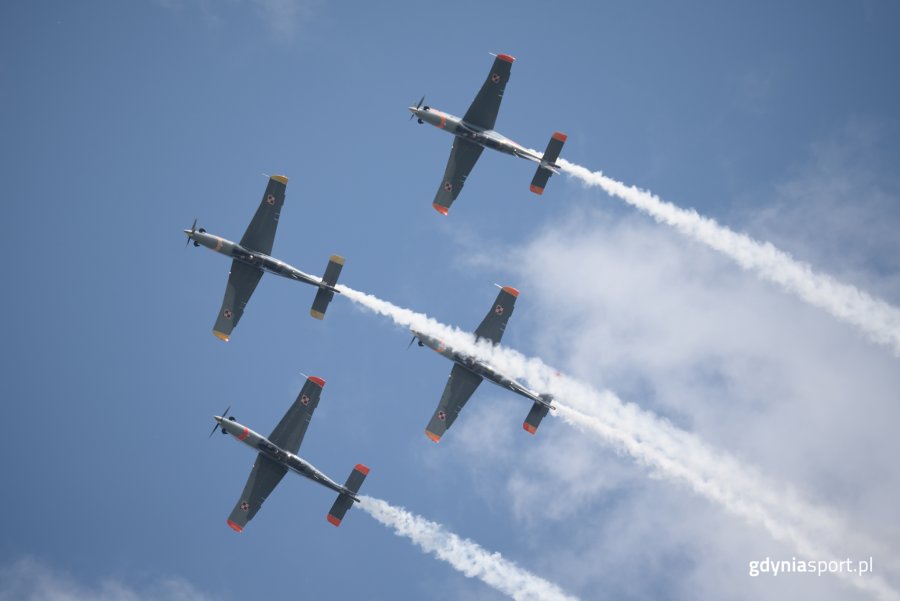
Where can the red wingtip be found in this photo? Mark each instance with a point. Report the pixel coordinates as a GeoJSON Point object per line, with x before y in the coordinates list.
{"type": "Point", "coordinates": [511, 290]}
{"type": "Point", "coordinates": [440, 209]}
{"type": "Point", "coordinates": [334, 520]}
{"type": "Point", "coordinates": [235, 527]}
{"type": "Point", "coordinates": [560, 136]}
{"type": "Point", "coordinates": [433, 437]}
{"type": "Point", "coordinates": [537, 190]}
{"type": "Point", "coordinates": [529, 428]}
{"type": "Point", "coordinates": [317, 380]}
{"type": "Point", "coordinates": [362, 468]}
{"type": "Point", "coordinates": [506, 57]}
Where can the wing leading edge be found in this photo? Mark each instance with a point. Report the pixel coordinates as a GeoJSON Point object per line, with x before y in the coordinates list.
{"type": "Point", "coordinates": [463, 157]}
{"type": "Point", "coordinates": [260, 234]}
{"type": "Point", "coordinates": [242, 281]}
{"type": "Point", "coordinates": [483, 110]}
{"type": "Point", "coordinates": [289, 432]}
{"type": "Point", "coordinates": [494, 323]}
{"type": "Point", "coordinates": [460, 386]}
{"type": "Point", "coordinates": [264, 477]}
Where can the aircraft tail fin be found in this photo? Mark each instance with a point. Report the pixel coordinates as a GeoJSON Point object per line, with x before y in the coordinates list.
{"type": "Point", "coordinates": [538, 412]}
{"type": "Point", "coordinates": [548, 163]}
{"type": "Point", "coordinates": [326, 290]}
{"type": "Point", "coordinates": [345, 499]}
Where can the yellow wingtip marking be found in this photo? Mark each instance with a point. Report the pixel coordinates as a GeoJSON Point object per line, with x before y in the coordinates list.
{"type": "Point", "coordinates": [337, 259]}
{"type": "Point", "coordinates": [280, 178]}
{"type": "Point", "coordinates": [316, 314]}
{"type": "Point", "coordinates": [220, 335]}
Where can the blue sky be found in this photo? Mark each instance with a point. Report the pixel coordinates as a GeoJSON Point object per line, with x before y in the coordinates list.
{"type": "Point", "coordinates": [122, 122]}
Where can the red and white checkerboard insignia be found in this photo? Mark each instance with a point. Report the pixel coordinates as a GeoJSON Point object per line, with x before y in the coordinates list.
{"type": "Point", "coordinates": [245, 506]}
{"type": "Point", "coordinates": [442, 416]}
{"type": "Point", "coordinates": [270, 199]}
{"type": "Point", "coordinates": [304, 399]}
{"type": "Point", "coordinates": [498, 309]}
{"type": "Point", "coordinates": [495, 78]}
{"type": "Point", "coordinates": [227, 314]}
{"type": "Point", "coordinates": [448, 186]}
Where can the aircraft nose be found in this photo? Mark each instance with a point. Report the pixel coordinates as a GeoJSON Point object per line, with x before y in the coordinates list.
{"type": "Point", "coordinates": [187, 233]}
{"type": "Point", "coordinates": [412, 109]}
{"type": "Point", "coordinates": [218, 418]}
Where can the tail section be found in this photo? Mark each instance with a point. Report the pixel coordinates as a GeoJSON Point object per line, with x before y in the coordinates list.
{"type": "Point", "coordinates": [345, 499]}
{"type": "Point", "coordinates": [538, 412]}
{"type": "Point", "coordinates": [326, 290]}
{"type": "Point", "coordinates": [548, 163]}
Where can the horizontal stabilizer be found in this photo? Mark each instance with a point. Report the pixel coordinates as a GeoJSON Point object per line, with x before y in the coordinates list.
{"type": "Point", "coordinates": [345, 499]}
{"type": "Point", "coordinates": [548, 163]}
{"type": "Point", "coordinates": [326, 291]}
{"type": "Point", "coordinates": [538, 412]}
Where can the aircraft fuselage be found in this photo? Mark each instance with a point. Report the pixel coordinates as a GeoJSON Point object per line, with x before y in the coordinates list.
{"type": "Point", "coordinates": [294, 463]}
{"type": "Point", "coordinates": [252, 257]}
{"type": "Point", "coordinates": [487, 138]}
{"type": "Point", "coordinates": [477, 367]}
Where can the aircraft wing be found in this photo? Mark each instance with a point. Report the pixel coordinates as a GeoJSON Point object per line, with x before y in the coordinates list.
{"type": "Point", "coordinates": [484, 109]}
{"type": "Point", "coordinates": [460, 386]}
{"type": "Point", "coordinates": [260, 234]}
{"type": "Point", "coordinates": [288, 434]}
{"type": "Point", "coordinates": [494, 323]}
{"type": "Point", "coordinates": [463, 157]}
{"type": "Point", "coordinates": [242, 281]}
{"type": "Point", "coordinates": [263, 479]}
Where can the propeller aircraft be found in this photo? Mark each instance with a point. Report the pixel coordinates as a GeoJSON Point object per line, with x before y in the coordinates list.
{"type": "Point", "coordinates": [475, 132]}
{"type": "Point", "coordinates": [468, 372]}
{"type": "Point", "coordinates": [251, 257]}
{"type": "Point", "coordinates": [277, 453]}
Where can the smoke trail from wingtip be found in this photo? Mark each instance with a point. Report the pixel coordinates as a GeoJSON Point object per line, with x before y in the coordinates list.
{"type": "Point", "coordinates": [666, 450]}
{"type": "Point", "coordinates": [464, 555]}
{"type": "Point", "coordinates": [879, 320]}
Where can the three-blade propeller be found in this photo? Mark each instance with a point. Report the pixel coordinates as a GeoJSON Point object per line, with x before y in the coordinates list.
{"type": "Point", "coordinates": [418, 106]}
{"type": "Point", "coordinates": [224, 415]}
{"type": "Point", "coordinates": [193, 229]}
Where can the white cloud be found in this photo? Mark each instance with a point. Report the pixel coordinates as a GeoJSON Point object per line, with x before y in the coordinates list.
{"type": "Point", "coordinates": [284, 17]}
{"type": "Point", "coordinates": [668, 324]}
{"type": "Point", "coordinates": [30, 580]}
{"type": "Point", "coordinates": [879, 320]}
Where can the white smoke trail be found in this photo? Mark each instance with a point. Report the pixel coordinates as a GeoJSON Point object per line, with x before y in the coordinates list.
{"type": "Point", "coordinates": [657, 444]}
{"type": "Point", "coordinates": [879, 320]}
{"type": "Point", "coordinates": [463, 554]}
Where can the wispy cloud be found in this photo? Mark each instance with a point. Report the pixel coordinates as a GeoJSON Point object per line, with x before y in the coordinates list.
{"type": "Point", "coordinates": [283, 18]}
{"type": "Point", "coordinates": [30, 580]}
{"type": "Point", "coordinates": [663, 448]}
{"type": "Point", "coordinates": [879, 320]}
